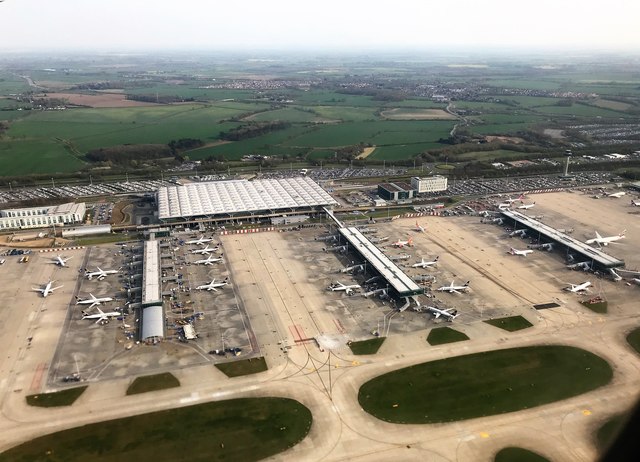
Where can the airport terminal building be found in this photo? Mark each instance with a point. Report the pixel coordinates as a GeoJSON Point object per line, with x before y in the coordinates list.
{"type": "Point", "coordinates": [41, 217]}
{"type": "Point", "coordinates": [230, 199]}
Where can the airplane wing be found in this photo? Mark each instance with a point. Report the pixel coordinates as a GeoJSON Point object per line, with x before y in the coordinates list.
{"type": "Point", "coordinates": [455, 291]}
{"type": "Point", "coordinates": [436, 314]}
{"type": "Point", "coordinates": [54, 288]}
{"type": "Point", "coordinates": [213, 288]}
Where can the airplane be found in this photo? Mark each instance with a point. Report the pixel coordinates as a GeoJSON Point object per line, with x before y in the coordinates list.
{"type": "Point", "coordinates": [338, 286]}
{"type": "Point", "coordinates": [521, 232]}
{"type": "Point", "coordinates": [511, 201]}
{"type": "Point", "coordinates": [210, 260]}
{"type": "Point", "coordinates": [213, 284]}
{"type": "Point", "coordinates": [200, 241]}
{"type": "Point", "coordinates": [93, 301]}
{"type": "Point", "coordinates": [450, 313]}
{"type": "Point", "coordinates": [425, 264]}
{"type": "Point", "coordinates": [575, 288]}
{"type": "Point", "coordinates": [419, 228]}
{"type": "Point", "coordinates": [206, 251]}
{"type": "Point", "coordinates": [454, 288]}
{"type": "Point", "coordinates": [47, 289]}
{"type": "Point", "coordinates": [583, 265]}
{"type": "Point", "coordinates": [399, 244]}
{"type": "Point", "coordinates": [617, 194]}
{"type": "Point", "coordinates": [100, 273]}
{"type": "Point", "coordinates": [522, 253]}
{"type": "Point", "coordinates": [605, 240]}
{"type": "Point", "coordinates": [526, 207]}
{"type": "Point", "coordinates": [101, 315]}
{"type": "Point", "coordinates": [359, 267]}
{"type": "Point", "coordinates": [635, 203]}
{"type": "Point", "coordinates": [61, 261]}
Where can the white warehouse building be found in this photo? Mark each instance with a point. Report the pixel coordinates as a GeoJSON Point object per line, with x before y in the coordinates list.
{"type": "Point", "coordinates": [41, 217]}
{"type": "Point", "coordinates": [429, 184]}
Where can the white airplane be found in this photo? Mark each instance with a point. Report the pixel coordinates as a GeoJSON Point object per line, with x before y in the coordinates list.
{"type": "Point", "coordinates": [400, 244]}
{"type": "Point", "coordinates": [213, 285]}
{"type": "Point", "coordinates": [635, 203]}
{"type": "Point", "coordinates": [200, 241]}
{"type": "Point", "coordinates": [47, 289]}
{"type": "Point", "coordinates": [522, 253]}
{"type": "Point", "coordinates": [93, 301]}
{"type": "Point", "coordinates": [450, 313]}
{"type": "Point", "coordinates": [425, 264]}
{"type": "Point", "coordinates": [575, 288]}
{"type": "Point", "coordinates": [511, 201]}
{"type": "Point", "coordinates": [338, 286]}
{"type": "Point", "coordinates": [101, 315]}
{"type": "Point", "coordinates": [210, 260]}
{"type": "Point", "coordinates": [617, 194]}
{"type": "Point", "coordinates": [61, 261]}
{"type": "Point", "coordinates": [605, 240]}
{"type": "Point", "coordinates": [419, 228]}
{"type": "Point", "coordinates": [206, 251]}
{"type": "Point", "coordinates": [99, 273]}
{"type": "Point", "coordinates": [454, 288]}
{"type": "Point", "coordinates": [527, 206]}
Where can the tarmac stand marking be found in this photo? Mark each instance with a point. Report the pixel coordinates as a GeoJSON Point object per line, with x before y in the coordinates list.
{"type": "Point", "coordinates": [297, 332]}
{"type": "Point", "coordinates": [37, 377]}
{"type": "Point", "coordinates": [339, 325]}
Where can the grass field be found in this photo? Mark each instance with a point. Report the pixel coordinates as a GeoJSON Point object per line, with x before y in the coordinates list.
{"type": "Point", "coordinates": [247, 429]}
{"type": "Point", "coordinates": [499, 155]}
{"type": "Point", "coordinates": [634, 339]}
{"type": "Point", "coordinates": [607, 433]}
{"type": "Point", "coordinates": [511, 323]}
{"type": "Point", "coordinates": [367, 347]}
{"type": "Point", "coordinates": [597, 307]}
{"type": "Point", "coordinates": [153, 383]}
{"type": "Point", "coordinates": [441, 335]}
{"type": "Point", "coordinates": [482, 384]}
{"type": "Point", "coordinates": [243, 367]}
{"type": "Point", "coordinates": [58, 398]}
{"type": "Point", "coordinates": [513, 454]}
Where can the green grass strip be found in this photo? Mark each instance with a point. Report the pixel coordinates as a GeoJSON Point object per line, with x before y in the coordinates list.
{"type": "Point", "coordinates": [511, 323]}
{"type": "Point", "coordinates": [57, 398]}
{"type": "Point", "coordinates": [153, 383]}
{"type": "Point", "coordinates": [244, 367]}
{"type": "Point", "coordinates": [440, 335]}
{"type": "Point", "coordinates": [366, 347]}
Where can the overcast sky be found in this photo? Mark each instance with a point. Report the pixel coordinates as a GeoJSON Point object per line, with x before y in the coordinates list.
{"type": "Point", "coordinates": [123, 25]}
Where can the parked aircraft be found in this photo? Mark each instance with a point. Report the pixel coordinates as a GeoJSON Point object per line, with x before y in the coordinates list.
{"type": "Point", "coordinates": [527, 206]}
{"type": "Point", "coordinates": [210, 260]}
{"type": "Point", "coordinates": [583, 265]}
{"type": "Point", "coordinates": [99, 273]}
{"type": "Point", "coordinates": [348, 269]}
{"type": "Point", "coordinates": [377, 240]}
{"type": "Point", "coordinates": [200, 241]}
{"type": "Point", "coordinates": [93, 301]}
{"type": "Point", "coordinates": [47, 289]}
{"type": "Point", "coordinates": [511, 201]}
{"type": "Point", "coordinates": [61, 261]}
{"type": "Point", "coordinates": [454, 288]}
{"type": "Point", "coordinates": [636, 280]}
{"type": "Point", "coordinates": [522, 253]}
{"type": "Point", "coordinates": [518, 232]}
{"type": "Point", "coordinates": [206, 251]}
{"type": "Point", "coordinates": [617, 195]}
{"type": "Point", "coordinates": [605, 240]}
{"type": "Point", "coordinates": [338, 286]}
{"type": "Point", "coordinates": [635, 203]}
{"type": "Point", "coordinates": [399, 243]}
{"type": "Point", "coordinates": [575, 288]}
{"type": "Point", "coordinates": [213, 285]}
{"type": "Point", "coordinates": [450, 313]}
{"type": "Point", "coordinates": [101, 315]}
{"type": "Point", "coordinates": [419, 228]}
{"type": "Point", "coordinates": [425, 264]}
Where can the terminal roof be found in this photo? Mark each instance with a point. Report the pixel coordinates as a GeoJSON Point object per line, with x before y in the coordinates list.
{"type": "Point", "coordinates": [151, 276]}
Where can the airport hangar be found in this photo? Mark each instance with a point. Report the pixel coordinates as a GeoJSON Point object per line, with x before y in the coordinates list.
{"type": "Point", "coordinates": [224, 200]}
{"type": "Point", "coordinates": [598, 259]}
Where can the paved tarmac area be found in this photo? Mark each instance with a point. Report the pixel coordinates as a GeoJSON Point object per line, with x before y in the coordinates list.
{"type": "Point", "coordinates": [281, 280]}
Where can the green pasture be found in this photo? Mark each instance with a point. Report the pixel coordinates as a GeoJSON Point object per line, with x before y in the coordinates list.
{"type": "Point", "coordinates": [155, 382]}
{"type": "Point", "coordinates": [289, 114]}
{"type": "Point", "coordinates": [366, 347]}
{"type": "Point", "coordinates": [500, 129]}
{"type": "Point", "coordinates": [346, 113]}
{"type": "Point", "coordinates": [634, 339]}
{"type": "Point", "coordinates": [378, 133]}
{"type": "Point", "coordinates": [530, 101]}
{"type": "Point", "coordinates": [511, 323]}
{"type": "Point", "coordinates": [513, 118]}
{"type": "Point", "coordinates": [322, 154]}
{"type": "Point", "coordinates": [402, 151]}
{"type": "Point", "coordinates": [581, 110]}
{"type": "Point", "coordinates": [31, 156]}
{"type": "Point", "coordinates": [483, 384]}
{"type": "Point", "coordinates": [442, 335]}
{"type": "Point", "coordinates": [190, 90]}
{"type": "Point", "coordinates": [10, 84]}
{"type": "Point", "coordinates": [247, 429]}
{"type": "Point", "coordinates": [513, 454]}
{"type": "Point", "coordinates": [57, 398]}
{"type": "Point", "coordinates": [528, 84]}
{"type": "Point", "coordinates": [332, 98]}
{"type": "Point", "coordinates": [498, 155]}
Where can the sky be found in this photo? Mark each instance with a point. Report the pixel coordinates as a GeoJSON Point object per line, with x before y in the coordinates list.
{"type": "Point", "coordinates": [342, 25]}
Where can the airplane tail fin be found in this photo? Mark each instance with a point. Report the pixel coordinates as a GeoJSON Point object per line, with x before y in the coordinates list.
{"type": "Point", "coordinates": [622, 233]}
{"type": "Point", "coordinates": [436, 259]}
{"type": "Point", "coordinates": [466, 284]}
{"type": "Point", "coordinates": [410, 241]}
